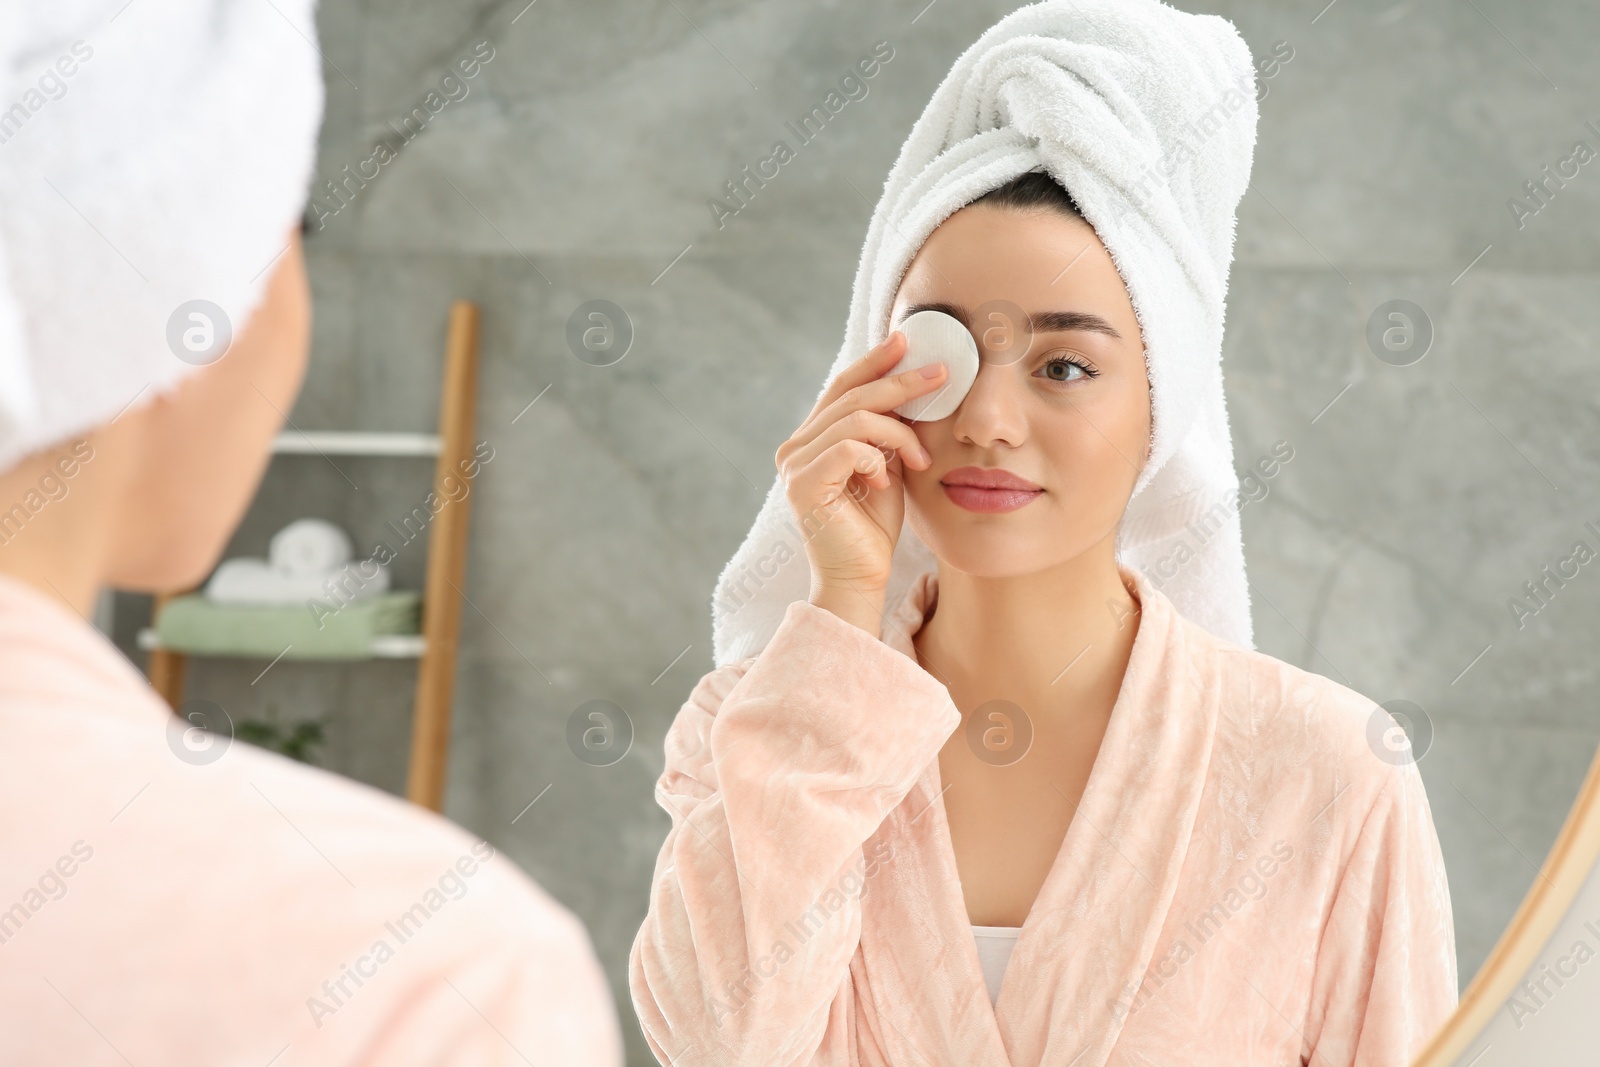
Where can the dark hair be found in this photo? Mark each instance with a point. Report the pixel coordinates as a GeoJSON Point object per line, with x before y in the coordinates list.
{"type": "Point", "coordinates": [1034, 189]}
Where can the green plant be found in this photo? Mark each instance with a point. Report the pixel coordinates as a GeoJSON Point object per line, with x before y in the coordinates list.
{"type": "Point", "coordinates": [298, 742]}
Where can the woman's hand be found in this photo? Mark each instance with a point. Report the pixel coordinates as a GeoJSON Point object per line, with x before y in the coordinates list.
{"type": "Point", "coordinates": [843, 475]}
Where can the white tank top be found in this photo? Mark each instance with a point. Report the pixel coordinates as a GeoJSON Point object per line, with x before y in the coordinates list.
{"type": "Point", "coordinates": [994, 952]}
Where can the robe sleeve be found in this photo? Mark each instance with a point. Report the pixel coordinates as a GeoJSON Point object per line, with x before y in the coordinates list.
{"type": "Point", "coordinates": [778, 770]}
{"type": "Point", "coordinates": [1385, 977]}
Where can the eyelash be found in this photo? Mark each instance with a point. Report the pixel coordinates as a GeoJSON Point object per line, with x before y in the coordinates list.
{"type": "Point", "coordinates": [1087, 369]}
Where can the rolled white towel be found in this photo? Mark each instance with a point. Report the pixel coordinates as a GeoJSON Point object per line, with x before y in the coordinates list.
{"type": "Point", "coordinates": [309, 559]}
{"type": "Point", "coordinates": [309, 548]}
{"type": "Point", "coordinates": [255, 581]}
{"type": "Point", "coordinates": [358, 580]}
{"type": "Point", "coordinates": [159, 183]}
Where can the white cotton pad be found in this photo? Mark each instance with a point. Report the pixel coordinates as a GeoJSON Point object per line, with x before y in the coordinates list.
{"type": "Point", "coordinates": [934, 337]}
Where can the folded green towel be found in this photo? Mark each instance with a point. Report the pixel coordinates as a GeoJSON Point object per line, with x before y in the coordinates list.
{"type": "Point", "coordinates": [195, 625]}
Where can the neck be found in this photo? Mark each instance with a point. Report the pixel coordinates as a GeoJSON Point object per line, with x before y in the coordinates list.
{"type": "Point", "coordinates": [1044, 639]}
{"type": "Point", "coordinates": [56, 529]}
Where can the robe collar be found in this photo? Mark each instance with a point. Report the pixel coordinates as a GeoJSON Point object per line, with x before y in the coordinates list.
{"type": "Point", "coordinates": [1093, 929]}
{"type": "Point", "coordinates": [51, 656]}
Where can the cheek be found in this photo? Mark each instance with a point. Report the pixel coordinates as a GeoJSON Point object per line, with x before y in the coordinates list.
{"type": "Point", "coordinates": [1096, 447]}
{"type": "Point", "coordinates": [1122, 417]}
{"type": "Point", "coordinates": [1104, 429]}
{"type": "Point", "coordinates": [1082, 460]}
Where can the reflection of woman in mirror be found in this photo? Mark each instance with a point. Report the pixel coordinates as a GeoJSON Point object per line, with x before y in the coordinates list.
{"type": "Point", "coordinates": [986, 704]}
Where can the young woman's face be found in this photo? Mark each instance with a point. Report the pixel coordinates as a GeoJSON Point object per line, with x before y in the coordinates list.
{"type": "Point", "coordinates": [1067, 409]}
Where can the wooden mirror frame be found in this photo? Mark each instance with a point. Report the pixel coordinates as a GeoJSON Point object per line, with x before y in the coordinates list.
{"type": "Point", "coordinates": [1532, 928]}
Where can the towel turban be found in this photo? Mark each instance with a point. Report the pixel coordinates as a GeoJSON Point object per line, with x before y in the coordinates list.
{"type": "Point", "coordinates": [152, 155]}
{"type": "Point", "coordinates": [1147, 115]}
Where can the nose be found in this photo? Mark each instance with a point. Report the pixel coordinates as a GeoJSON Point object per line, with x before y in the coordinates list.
{"type": "Point", "coordinates": [993, 411]}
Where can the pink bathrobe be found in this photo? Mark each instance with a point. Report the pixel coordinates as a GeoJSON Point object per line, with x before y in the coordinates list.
{"type": "Point", "coordinates": [249, 911]}
{"type": "Point", "coordinates": [1245, 882]}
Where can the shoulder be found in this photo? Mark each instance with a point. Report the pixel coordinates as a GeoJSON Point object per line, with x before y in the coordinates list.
{"type": "Point", "coordinates": [400, 855]}
{"type": "Point", "coordinates": [1319, 762]}
{"type": "Point", "coordinates": [1302, 723]}
{"type": "Point", "coordinates": [314, 883]}
{"type": "Point", "coordinates": [258, 830]}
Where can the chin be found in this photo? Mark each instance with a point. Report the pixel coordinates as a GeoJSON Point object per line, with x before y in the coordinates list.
{"type": "Point", "coordinates": [1010, 544]}
{"type": "Point", "coordinates": [996, 546]}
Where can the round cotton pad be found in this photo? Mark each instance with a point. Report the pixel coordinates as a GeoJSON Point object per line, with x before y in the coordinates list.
{"type": "Point", "coordinates": [934, 337]}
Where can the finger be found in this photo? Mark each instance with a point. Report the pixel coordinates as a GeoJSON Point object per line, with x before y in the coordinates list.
{"type": "Point", "coordinates": [873, 364]}
{"type": "Point", "coordinates": [822, 481]}
{"type": "Point", "coordinates": [866, 370]}
{"type": "Point", "coordinates": [869, 427]}
{"type": "Point", "coordinates": [887, 433]}
{"type": "Point", "coordinates": [883, 394]}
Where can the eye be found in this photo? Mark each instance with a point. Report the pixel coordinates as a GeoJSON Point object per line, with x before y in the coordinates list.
{"type": "Point", "coordinates": [1066, 369]}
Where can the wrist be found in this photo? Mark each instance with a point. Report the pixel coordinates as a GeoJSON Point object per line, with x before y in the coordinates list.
{"type": "Point", "coordinates": [857, 605]}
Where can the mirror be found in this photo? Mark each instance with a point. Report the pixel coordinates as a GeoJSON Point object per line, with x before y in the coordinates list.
{"type": "Point", "coordinates": [1408, 362]}
{"type": "Point", "coordinates": [1533, 1000]}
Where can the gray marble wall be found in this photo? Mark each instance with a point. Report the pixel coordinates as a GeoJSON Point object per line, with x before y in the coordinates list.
{"type": "Point", "coordinates": [579, 165]}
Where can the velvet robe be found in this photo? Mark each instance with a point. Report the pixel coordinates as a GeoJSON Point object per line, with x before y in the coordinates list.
{"type": "Point", "coordinates": [1246, 880]}
{"type": "Point", "coordinates": [178, 900]}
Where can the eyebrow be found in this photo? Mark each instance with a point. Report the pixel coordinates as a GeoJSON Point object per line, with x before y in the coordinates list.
{"type": "Point", "coordinates": [1038, 321]}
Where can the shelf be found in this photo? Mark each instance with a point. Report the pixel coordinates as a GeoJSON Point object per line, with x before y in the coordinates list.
{"type": "Point", "coordinates": [434, 650]}
{"type": "Point", "coordinates": [341, 443]}
{"type": "Point", "coordinates": [384, 646]}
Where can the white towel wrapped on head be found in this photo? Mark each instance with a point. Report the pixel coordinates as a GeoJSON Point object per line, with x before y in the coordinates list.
{"type": "Point", "coordinates": [152, 155]}
{"type": "Point", "coordinates": [1147, 116]}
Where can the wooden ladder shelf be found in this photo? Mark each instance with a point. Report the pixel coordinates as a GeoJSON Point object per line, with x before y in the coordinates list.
{"type": "Point", "coordinates": [446, 565]}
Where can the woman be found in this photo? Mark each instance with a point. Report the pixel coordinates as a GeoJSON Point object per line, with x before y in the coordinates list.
{"type": "Point", "coordinates": [1053, 734]}
{"type": "Point", "coordinates": [165, 897]}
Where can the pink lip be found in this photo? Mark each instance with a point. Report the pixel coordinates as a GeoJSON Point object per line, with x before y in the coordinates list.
{"type": "Point", "coordinates": [990, 490]}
